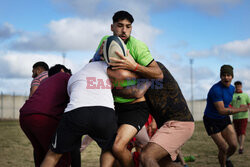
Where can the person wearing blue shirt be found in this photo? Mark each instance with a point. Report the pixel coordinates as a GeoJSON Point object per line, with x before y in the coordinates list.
{"type": "Point", "coordinates": [216, 116]}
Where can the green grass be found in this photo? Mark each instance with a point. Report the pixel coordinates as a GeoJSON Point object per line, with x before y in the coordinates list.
{"type": "Point", "coordinates": [16, 150]}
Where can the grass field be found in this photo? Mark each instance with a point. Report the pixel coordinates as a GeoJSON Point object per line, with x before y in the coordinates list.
{"type": "Point", "coordinates": [16, 150]}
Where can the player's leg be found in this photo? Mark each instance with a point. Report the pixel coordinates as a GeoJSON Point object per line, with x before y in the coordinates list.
{"type": "Point", "coordinates": [131, 118]}
{"type": "Point", "coordinates": [222, 147]}
{"type": "Point", "coordinates": [167, 162]}
{"type": "Point", "coordinates": [124, 134]}
{"type": "Point", "coordinates": [230, 137]}
{"type": "Point", "coordinates": [214, 128]}
{"type": "Point", "coordinates": [151, 154]}
{"type": "Point", "coordinates": [39, 136]}
{"type": "Point", "coordinates": [165, 145]}
{"type": "Point", "coordinates": [75, 158]}
{"type": "Point", "coordinates": [242, 140]}
{"type": "Point", "coordinates": [236, 125]}
{"type": "Point", "coordinates": [103, 129]}
{"type": "Point", "coordinates": [242, 136]}
{"type": "Point", "coordinates": [107, 159]}
{"type": "Point", "coordinates": [142, 136]}
{"type": "Point", "coordinates": [67, 138]}
{"type": "Point", "coordinates": [51, 159]}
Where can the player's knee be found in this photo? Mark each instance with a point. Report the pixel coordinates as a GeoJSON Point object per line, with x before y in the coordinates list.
{"type": "Point", "coordinates": [223, 148]}
{"type": "Point", "coordinates": [145, 157]}
{"type": "Point", "coordinates": [233, 147]}
{"type": "Point", "coordinates": [118, 148]}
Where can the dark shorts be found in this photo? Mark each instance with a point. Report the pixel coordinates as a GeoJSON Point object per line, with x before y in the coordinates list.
{"type": "Point", "coordinates": [98, 122]}
{"type": "Point", "coordinates": [214, 126]}
{"type": "Point", "coordinates": [133, 114]}
{"type": "Point", "coordinates": [240, 126]}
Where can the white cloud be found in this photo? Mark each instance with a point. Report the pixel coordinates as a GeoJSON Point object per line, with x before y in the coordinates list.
{"type": "Point", "coordinates": [212, 7]}
{"type": "Point", "coordinates": [72, 34]}
{"type": "Point", "coordinates": [7, 31]}
{"type": "Point", "coordinates": [242, 74]}
{"type": "Point", "coordinates": [16, 69]}
{"type": "Point", "coordinates": [84, 33]}
{"type": "Point", "coordinates": [141, 8]}
{"type": "Point", "coordinates": [201, 53]}
{"type": "Point", "coordinates": [19, 86]}
{"type": "Point", "coordinates": [105, 9]}
{"type": "Point", "coordinates": [176, 57]}
{"type": "Point", "coordinates": [236, 47]}
{"type": "Point", "coordinates": [145, 32]}
{"type": "Point", "coordinates": [19, 65]}
{"type": "Point", "coordinates": [65, 35]}
{"type": "Point", "coordinates": [180, 44]}
{"type": "Point", "coordinates": [239, 48]}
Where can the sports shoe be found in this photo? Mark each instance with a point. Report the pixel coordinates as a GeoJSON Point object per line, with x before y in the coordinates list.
{"type": "Point", "coordinates": [229, 163]}
{"type": "Point", "coordinates": [241, 151]}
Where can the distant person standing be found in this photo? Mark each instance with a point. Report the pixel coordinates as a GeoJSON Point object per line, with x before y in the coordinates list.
{"type": "Point", "coordinates": [240, 119]}
{"type": "Point", "coordinates": [39, 73]}
{"type": "Point", "coordinates": [216, 116]}
{"type": "Point", "coordinates": [41, 113]}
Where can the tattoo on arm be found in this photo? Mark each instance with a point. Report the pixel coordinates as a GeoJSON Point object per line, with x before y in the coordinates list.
{"type": "Point", "coordinates": [135, 91]}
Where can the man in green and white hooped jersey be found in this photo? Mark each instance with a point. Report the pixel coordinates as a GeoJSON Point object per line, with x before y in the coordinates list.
{"type": "Point", "coordinates": [240, 119]}
{"type": "Point", "coordinates": [132, 113]}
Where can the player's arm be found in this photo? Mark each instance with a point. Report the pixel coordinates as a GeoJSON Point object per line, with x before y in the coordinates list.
{"type": "Point", "coordinates": [121, 74]}
{"type": "Point", "coordinates": [152, 71]}
{"type": "Point", "coordinates": [219, 105]}
{"type": "Point", "coordinates": [32, 90]}
{"type": "Point", "coordinates": [135, 91]}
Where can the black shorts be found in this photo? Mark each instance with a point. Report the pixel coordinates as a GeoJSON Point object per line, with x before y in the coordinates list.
{"type": "Point", "coordinates": [135, 114]}
{"type": "Point", "coordinates": [214, 126]}
{"type": "Point", "coordinates": [98, 122]}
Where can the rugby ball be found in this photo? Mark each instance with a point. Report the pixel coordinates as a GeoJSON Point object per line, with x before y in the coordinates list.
{"type": "Point", "coordinates": [111, 45]}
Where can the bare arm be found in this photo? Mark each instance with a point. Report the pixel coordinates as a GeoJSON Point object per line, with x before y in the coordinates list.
{"type": "Point", "coordinates": [121, 74]}
{"type": "Point", "coordinates": [229, 111]}
{"type": "Point", "coordinates": [135, 91]}
{"type": "Point", "coordinates": [152, 71]}
{"type": "Point", "coordinates": [32, 90]}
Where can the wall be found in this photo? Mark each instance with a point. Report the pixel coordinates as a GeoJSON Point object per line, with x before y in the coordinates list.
{"type": "Point", "coordinates": [10, 105]}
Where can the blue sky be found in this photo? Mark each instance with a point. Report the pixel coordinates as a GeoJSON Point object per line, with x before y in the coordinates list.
{"type": "Point", "coordinates": [212, 33]}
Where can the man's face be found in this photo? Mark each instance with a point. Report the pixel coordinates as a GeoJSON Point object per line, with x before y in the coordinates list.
{"type": "Point", "coordinates": [238, 88]}
{"type": "Point", "coordinates": [226, 79]}
{"type": "Point", "coordinates": [34, 72]}
{"type": "Point", "coordinates": [122, 29]}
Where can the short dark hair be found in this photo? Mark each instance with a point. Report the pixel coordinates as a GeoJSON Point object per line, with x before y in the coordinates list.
{"type": "Point", "coordinates": [121, 15]}
{"type": "Point", "coordinates": [237, 83]}
{"type": "Point", "coordinates": [57, 68]}
{"type": "Point", "coordinates": [41, 64]}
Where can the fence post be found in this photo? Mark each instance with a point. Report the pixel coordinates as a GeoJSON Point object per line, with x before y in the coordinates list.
{"type": "Point", "coordinates": [14, 103]}
{"type": "Point", "coordinates": [2, 105]}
